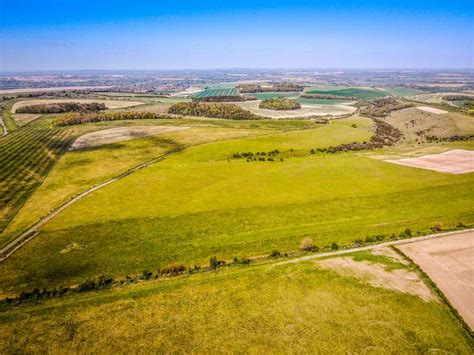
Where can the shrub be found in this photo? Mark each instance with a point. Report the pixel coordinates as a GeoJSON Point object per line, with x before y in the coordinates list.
{"type": "Point", "coordinates": [334, 246]}
{"type": "Point", "coordinates": [275, 254]}
{"type": "Point", "coordinates": [461, 225]}
{"type": "Point", "coordinates": [173, 268]}
{"type": "Point", "coordinates": [214, 263]}
{"type": "Point", "coordinates": [307, 244]}
{"type": "Point", "coordinates": [437, 227]}
{"type": "Point", "coordinates": [408, 232]}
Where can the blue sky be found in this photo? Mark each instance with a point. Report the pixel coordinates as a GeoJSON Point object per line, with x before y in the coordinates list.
{"type": "Point", "coordinates": [135, 34]}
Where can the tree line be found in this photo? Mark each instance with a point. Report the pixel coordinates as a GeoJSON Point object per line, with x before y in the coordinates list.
{"type": "Point", "coordinates": [80, 118]}
{"type": "Point", "coordinates": [280, 104]}
{"type": "Point", "coordinates": [213, 110]}
{"type": "Point", "coordinates": [61, 107]}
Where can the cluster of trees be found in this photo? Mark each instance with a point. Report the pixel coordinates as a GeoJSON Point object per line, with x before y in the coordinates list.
{"type": "Point", "coordinates": [328, 97]}
{"type": "Point", "coordinates": [382, 107]}
{"type": "Point", "coordinates": [214, 110]}
{"type": "Point", "coordinates": [62, 107]}
{"type": "Point", "coordinates": [385, 135]}
{"type": "Point", "coordinates": [457, 97]}
{"type": "Point", "coordinates": [281, 87]}
{"type": "Point", "coordinates": [259, 156]}
{"type": "Point", "coordinates": [280, 104]}
{"type": "Point", "coordinates": [79, 118]}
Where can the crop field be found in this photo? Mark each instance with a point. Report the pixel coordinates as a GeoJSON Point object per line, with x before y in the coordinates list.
{"type": "Point", "coordinates": [217, 92]}
{"type": "Point", "coordinates": [401, 91]}
{"type": "Point", "coordinates": [273, 95]}
{"type": "Point", "coordinates": [258, 309]}
{"type": "Point", "coordinates": [448, 262]}
{"type": "Point", "coordinates": [361, 93]}
{"type": "Point", "coordinates": [26, 157]}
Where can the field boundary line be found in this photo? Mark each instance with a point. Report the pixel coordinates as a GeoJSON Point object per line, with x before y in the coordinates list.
{"type": "Point", "coordinates": [380, 245]}
{"type": "Point", "coordinates": [31, 232]}
{"type": "Point", "coordinates": [5, 129]}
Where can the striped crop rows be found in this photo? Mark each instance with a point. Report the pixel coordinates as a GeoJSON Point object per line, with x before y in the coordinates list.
{"type": "Point", "coordinates": [26, 157]}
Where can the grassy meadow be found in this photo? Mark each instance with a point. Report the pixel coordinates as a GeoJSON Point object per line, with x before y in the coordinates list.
{"type": "Point", "coordinates": [202, 202]}
{"type": "Point", "coordinates": [360, 93]}
{"type": "Point", "coordinates": [252, 309]}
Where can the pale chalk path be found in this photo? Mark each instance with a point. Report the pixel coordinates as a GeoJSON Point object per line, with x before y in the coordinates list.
{"type": "Point", "coordinates": [29, 234]}
{"type": "Point", "coordinates": [380, 245]}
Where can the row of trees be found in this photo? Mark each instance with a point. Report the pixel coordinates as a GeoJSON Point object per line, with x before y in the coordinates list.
{"type": "Point", "coordinates": [282, 87]}
{"type": "Point", "coordinates": [214, 110]}
{"type": "Point", "coordinates": [61, 107]}
{"type": "Point", "coordinates": [80, 118]}
{"type": "Point", "coordinates": [280, 104]}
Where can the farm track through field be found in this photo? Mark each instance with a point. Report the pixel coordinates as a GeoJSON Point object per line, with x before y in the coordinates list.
{"type": "Point", "coordinates": [4, 127]}
{"type": "Point", "coordinates": [26, 236]}
{"type": "Point", "coordinates": [375, 246]}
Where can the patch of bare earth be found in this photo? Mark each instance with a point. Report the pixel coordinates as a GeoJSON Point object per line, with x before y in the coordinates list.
{"type": "Point", "coordinates": [449, 262]}
{"type": "Point", "coordinates": [436, 111]}
{"type": "Point", "coordinates": [457, 161]}
{"type": "Point", "coordinates": [400, 280]}
{"type": "Point", "coordinates": [23, 118]}
{"type": "Point", "coordinates": [114, 135]}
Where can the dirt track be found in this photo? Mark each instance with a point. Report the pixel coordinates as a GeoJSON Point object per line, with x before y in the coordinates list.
{"type": "Point", "coordinates": [449, 262]}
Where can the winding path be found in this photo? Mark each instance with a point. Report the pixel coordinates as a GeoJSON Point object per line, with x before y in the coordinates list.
{"type": "Point", "coordinates": [5, 130]}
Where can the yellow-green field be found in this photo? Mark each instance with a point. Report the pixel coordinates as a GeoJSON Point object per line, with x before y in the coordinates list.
{"type": "Point", "coordinates": [256, 309]}
{"type": "Point", "coordinates": [208, 198]}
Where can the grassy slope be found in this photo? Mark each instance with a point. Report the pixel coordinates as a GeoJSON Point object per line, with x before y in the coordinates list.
{"type": "Point", "coordinates": [80, 170]}
{"type": "Point", "coordinates": [8, 118]}
{"type": "Point", "coordinates": [299, 308]}
{"type": "Point", "coordinates": [197, 204]}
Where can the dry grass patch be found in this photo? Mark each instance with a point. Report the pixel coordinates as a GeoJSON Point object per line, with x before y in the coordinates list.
{"type": "Point", "coordinates": [114, 135]}
{"type": "Point", "coordinates": [401, 280]}
{"type": "Point", "coordinates": [436, 111]}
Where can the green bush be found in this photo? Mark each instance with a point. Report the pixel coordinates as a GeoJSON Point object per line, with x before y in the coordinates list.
{"type": "Point", "coordinates": [280, 104]}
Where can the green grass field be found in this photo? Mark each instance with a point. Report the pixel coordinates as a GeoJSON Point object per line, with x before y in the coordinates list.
{"type": "Point", "coordinates": [361, 93]}
{"type": "Point", "coordinates": [257, 309]}
{"type": "Point", "coordinates": [201, 202]}
{"type": "Point", "coordinates": [272, 95]}
{"type": "Point", "coordinates": [306, 101]}
{"type": "Point", "coordinates": [27, 155]}
{"type": "Point", "coordinates": [217, 92]}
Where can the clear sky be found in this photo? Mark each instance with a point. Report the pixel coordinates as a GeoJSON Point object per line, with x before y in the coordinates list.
{"type": "Point", "coordinates": [136, 34]}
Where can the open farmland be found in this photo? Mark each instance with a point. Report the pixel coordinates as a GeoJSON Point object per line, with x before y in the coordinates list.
{"type": "Point", "coordinates": [197, 203]}
{"type": "Point", "coordinates": [26, 157]}
{"type": "Point", "coordinates": [226, 92]}
{"type": "Point", "coordinates": [361, 93]}
{"type": "Point", "coordinates": [449, 262]}
{"type": "Point", "coordinates": [303, 304]}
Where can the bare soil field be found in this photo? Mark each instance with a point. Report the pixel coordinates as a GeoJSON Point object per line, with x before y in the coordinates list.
{"type": "Point", "coordinates": [114, 135]}
{"type": "Point", "coordinates": [416, 124]}
{"type": "Point", "coordinates": [109, 103]}
{"type": "Point", "coordinates": [401, 280]}
{"type": "Point", "coordinates": [304, 111]}
{"type": "Point", "coordinates": [457, 161]}
{"type": "Point", "coordinates": [436, 111]}
{"type": "Point", "coordinates": [449, 262]}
